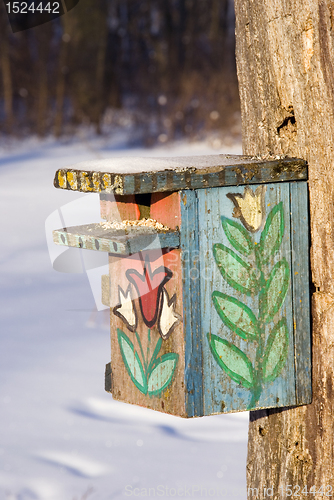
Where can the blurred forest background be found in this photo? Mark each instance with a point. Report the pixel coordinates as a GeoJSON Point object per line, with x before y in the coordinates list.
{"type": "Point", "coordinates": [166, 67]}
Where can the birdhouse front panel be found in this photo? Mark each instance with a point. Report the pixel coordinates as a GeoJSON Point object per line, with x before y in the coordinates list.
{"type": "Point", "coordinates": [147, 340]}
{"type": "Point", "coordinates": [208, 283]}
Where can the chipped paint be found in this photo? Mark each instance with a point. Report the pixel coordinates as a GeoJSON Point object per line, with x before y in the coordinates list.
{"type": "Point", "coordinates": [62, 181]}
{"type": "Point", "coordinates": [118, 184]}
{"type": "Point", "coordinates": [255, 172]}
{"type": "Point", "coordinates": [96, 182]}
{"type": "Point", "coordinates": [72, 180]}
{"type": "Point", "coordinates": [85, 184]}
{"type": "Point", "coordinates": [106, 179]}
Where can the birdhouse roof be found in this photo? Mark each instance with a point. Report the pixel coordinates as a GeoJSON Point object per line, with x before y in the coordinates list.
{"type": "Point", "coordinates": [135, 175]}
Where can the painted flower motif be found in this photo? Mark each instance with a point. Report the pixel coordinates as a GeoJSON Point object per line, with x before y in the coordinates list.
{"type": "Point", "coordinates": [249, 207]}
{"type": "Point", "coordinates": [169, 319]}
{"type": "Point", "coordinates": [149, 286]}
{"type": "Point", "coordinates": [126, 309]}
{"type": "Point", "coordinates": [150, 372]}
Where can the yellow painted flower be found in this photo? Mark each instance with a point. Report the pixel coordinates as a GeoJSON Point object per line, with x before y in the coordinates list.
{"type": "Point", "coordinates": [249, 207]}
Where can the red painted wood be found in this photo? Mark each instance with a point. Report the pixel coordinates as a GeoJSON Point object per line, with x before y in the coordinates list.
{"type": "Point", "coordinates": [165, 208]}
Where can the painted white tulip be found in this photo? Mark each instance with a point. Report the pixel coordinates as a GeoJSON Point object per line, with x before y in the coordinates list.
{"type": "Point", "coordinates": [125, 310]}
{"type": "Point", "coordinates": [249, 207]}
{"type": "Point", "coordinates": [168, 317]}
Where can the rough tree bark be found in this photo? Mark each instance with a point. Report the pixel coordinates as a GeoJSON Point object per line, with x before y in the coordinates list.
{"type": "Point", "coordinates": [285, 61]}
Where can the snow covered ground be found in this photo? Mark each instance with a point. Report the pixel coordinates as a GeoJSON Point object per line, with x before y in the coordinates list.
{"type": "Point", "coordinates": [62, 436]}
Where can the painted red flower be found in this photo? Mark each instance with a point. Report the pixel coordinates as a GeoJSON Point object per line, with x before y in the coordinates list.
{"type": "Point", "coordinates": [149, 286]}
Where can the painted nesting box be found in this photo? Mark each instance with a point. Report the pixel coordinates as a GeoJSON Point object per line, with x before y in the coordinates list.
{"type": "Point", "coordinates": [208, 283]}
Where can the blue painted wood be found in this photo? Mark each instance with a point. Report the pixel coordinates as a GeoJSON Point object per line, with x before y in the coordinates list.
{"type": "Point", "coordinates": [281, 392]}
{"type": "Point", "coordinates": [144, 183]}
{"type": "Point", "coordinates": [301, 290]}
{"type": "Point", "coordinates": [189, 238]}
{"type": "Point", "coordinates": [161, 181]}
{"type": "Point", "coordinates": [129, 184]}
{"type": "Point", "coordinates": [221, 394]}
{"type": "Point", "coordinates": [94, 237]}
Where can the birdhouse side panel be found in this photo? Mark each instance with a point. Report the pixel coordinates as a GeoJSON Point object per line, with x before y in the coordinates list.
{"type": "Point", "coordinates": [301, 289]}
{"type": "Point", "coordinates": [190, 255]}
{"type": "Point", "coordinates": [246, 297]}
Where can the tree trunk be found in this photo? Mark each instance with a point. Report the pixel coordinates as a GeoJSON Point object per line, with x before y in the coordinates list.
{"type": "Point", "coordinates": [6, 71]}
{"type": "Point", "coordinates": [60, 89]}
{"type": "Point", "coordinates": [100, 75]}
{"type": "Point", "coordinates": [285, 61]}
{"type": "Point", "coordinates": [7, 83]}
{"type": "Point", "coordinates": [43, 36]}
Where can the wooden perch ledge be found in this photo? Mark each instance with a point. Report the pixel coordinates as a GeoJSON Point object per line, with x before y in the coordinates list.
{"type": "Point", "coordinates": [136, 239]}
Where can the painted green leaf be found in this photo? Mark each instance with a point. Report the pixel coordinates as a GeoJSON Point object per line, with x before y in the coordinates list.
{"type": "Point", "coordinates": [162, 373]}
{"type": "Point", "coordinates": [236, 315]}
{"type": "Point", "coordinates": [235, 271]}
{"type": "Point", "coordinates": [276, 351]}
{"type": "Point", "coordinates": [274, 293]}
{"type": "Point", "coordinates": [272, 234]}
{"type": "Point", "coordinates": [132, 362]}
{"type": "Point", "coordinates": [231, 359]}
{"type": "Point", "coordinates": [155, 354]}
{"type": "Point", "coordinates": [238, 236]}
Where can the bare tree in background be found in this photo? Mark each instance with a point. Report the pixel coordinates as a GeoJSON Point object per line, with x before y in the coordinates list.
{"type": "Point", "coordinates": [169, 63]}
{"type": "Point", "coordinates": [6, 70]}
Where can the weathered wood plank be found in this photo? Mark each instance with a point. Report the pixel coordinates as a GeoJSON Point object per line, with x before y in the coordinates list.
{"type": "Point", "coordinates": [147, 340]}
{"type": "Point", "coordinates": [165, 208]}
{"type": "Point", "coordinates": [192, 317]}
{"type": "Point", "coordinates": [118, 208]}
{"type": "Point", "coordinates": [118, 242]}
{"type": "Point", "coordinates": [174, 174]}
{"type": "Point", "coordinates": [105, 290]}
{"type": "Point", "coordinates": [222, 393]}
{"type": "Point", "coordinates": [301, 290]}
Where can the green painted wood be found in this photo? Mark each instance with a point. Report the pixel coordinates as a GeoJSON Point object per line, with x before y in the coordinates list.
{"type": "Point", "coordinates": [231, 307]}
{"type": "Point", "coordinates": [189, 242]}
{"type": "Point", "coordinates": [136, 239]}
{"type": "Point", "coordinates": [174, 174]}
{"type": "Point", "coordinates": [301, 290]}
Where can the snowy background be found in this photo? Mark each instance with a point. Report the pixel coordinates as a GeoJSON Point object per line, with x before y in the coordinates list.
{"type": "Point", "coordinates": [62, 436]}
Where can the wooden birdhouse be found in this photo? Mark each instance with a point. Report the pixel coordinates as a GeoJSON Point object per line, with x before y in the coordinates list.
{"type": "Point", "coordinates": [208, 283]}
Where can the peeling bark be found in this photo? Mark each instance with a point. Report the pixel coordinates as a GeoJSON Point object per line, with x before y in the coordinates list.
{"type": "Point", "coordinates": [285, 62]}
